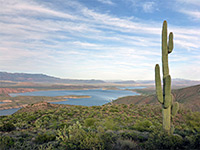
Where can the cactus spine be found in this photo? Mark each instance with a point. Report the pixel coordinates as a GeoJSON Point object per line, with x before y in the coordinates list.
{"type": "Point", "coordinates": [164, 95]}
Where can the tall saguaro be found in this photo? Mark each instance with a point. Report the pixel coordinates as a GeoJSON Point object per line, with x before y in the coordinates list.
{"type": "Point", "coordinates": [164, 95]}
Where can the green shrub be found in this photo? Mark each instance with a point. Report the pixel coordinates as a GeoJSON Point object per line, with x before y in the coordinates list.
{"type": "Point", "coordinates": [45, 137]}
{"type": "Point", "coordinates": [89, 122]}
{"type": "Point", "coordinates": [6, 142]}
{"type": "Point", "coordinates": [109, 137]}
{"type": "Point", "coordinates": [110, 124]}
{"type": "Point", "coordinates": [197, 141]}
{"type": "Point", "coordinates": [193, 121]}
{"type": "Point", "coordinates": [143, 125]}
{"type": "Point", "coordinates": [125, 145]}
{"type": "Point", "coordinates": [135, 135]}
{"type": "Point", "coordinates": [75, 137]}
{"type": "Point", "coordinates": [7, 127]}
{"type": "Point", "coordinates": [113, 110]}
{"type": "Point", "coordinates": [163, 140]}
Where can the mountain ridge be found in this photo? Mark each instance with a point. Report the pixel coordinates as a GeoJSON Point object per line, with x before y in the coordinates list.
{"type": "Point", "coordinates": [43, 78]}
{"type": "Point", "coordinates": [26, 77]}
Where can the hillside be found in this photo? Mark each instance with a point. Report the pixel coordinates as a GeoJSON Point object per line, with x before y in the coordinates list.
{"type": "Point", "coordinates": [189, 96]}
{"type": "Point", "coordinates": [111, 127]}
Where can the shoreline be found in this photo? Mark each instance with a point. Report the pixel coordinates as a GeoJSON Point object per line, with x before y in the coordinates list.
{"type": "Point", "coordinates": [52, 99]}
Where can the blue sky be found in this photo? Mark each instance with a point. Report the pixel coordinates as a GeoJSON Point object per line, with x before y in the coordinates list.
{"type": "Point", "coordinates": [98, 39]}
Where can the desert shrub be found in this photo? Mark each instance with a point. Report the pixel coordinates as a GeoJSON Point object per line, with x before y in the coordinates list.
{"type": "Point", "coordinates": [110, 124]}
{"type": "Point", "coordinates": [43, 121]}
{"type": "Point", "coordinates": [163, 140]}
{"type": "Point", "coordinates": [60, 125]}
{"type": "Point", "coordinates": [113, 110]}
{"type": "Point", "coordinates": [7, 127]}
{"type": "Point", "coordinates": [6, 142]}
{"type": "Point", "coordinates": [196, 143]}
{"type": "Point", "coordinates": [135, 135]}
{"type": "Point", "coordinates": [89, 122]}
{"type": "Point", "coordinates": [109, 137]}
{"type": "Point", "coordinates": [124, 106]}
{"type": "Point", "coordinates": [129, 135]}
{"type": "Point", "coordinates": [45, 137]}
{"type": "Point", "coordinates": [125, 145]}
{"type": "Point", "coordinates": [75, 137]}
{"type": "Point", "coordinates": [193, 121]}
{"type": "Point", "coordinates": [46, 147]}
{"type": "Point", "coordinates": [143, 125]}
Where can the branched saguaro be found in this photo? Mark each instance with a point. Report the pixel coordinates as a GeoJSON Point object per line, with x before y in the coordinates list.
{"type": "Point", "coordinates": [164, 95]}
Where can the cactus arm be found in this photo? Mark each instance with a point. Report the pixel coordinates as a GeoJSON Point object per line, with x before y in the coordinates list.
{"type": "Point", "coordinates": [164, 50]}
{"type": "Point", "coordinates": [175, 108]}
{"type": "Point", "coordinates": [159, 92]}
{"type": "Point", "coordinates": [167, 91]}
{"type": "Point", "coordinates": [170, 43]}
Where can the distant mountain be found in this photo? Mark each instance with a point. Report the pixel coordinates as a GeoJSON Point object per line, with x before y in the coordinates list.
{"type": "Point", "coordinates": [190, 97]}
{"type": "Point", "coordinates": [125, 82]}
{"type": "Point", "coordinates": [25, 77]}
{"type": "Point", "coordinates": [175, 82]}
{"type": "Point", "coordinates": [6, 77]}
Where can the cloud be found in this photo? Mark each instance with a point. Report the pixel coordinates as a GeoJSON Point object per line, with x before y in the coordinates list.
{"type": "Point", "coordinates": [19, 7]}
{"type": "Point", "coordinates": [148, 7]}
{"type": "Point", "coordinates": [189, 7]}
{"type": "Point", "coordinates": [64, 42]}
{"type": "Point", "coordinates": [145, 5]}
{"type": "Point", "coordinates": [124, 25]}
{"type": "Point", "coordinates": [195, 14]}
{"type": "Point", "coordinates": [109, 2]}
{"type": "Point", "coordinates": [191, 2]}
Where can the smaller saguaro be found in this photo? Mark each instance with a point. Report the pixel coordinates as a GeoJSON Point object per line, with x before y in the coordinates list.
{"type": "Point", "coordinates": [164, 95]}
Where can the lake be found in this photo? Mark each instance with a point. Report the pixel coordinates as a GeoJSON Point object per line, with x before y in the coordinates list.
{"type": "Point", "coordinates": [98, 96]}
{"type": "Point", "coordinates": [8, 111]}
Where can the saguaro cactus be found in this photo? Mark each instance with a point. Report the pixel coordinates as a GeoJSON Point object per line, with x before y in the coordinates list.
{"type": "Point", "coordinates": [164, 95]}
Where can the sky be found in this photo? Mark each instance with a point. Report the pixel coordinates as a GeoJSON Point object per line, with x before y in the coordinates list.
{"type": "Point", "coordinates": [98, 39]}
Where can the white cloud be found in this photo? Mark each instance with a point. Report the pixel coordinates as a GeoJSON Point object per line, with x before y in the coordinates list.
{"type": "Point", "coordinates": [191, 2]}
{"type": "Point", "coordinates": [83, 39]}
{"type": "Point", "coordinates": [124, 25]}
{"type": "Point", "coordinates": [189, 7]}
{"type": "Point", "coordinates": [109, 2]}
{"type": "Point", "coordinates": [195, 14]}
{"type": "Point", "coordinates": [148, 7]}
{"type": "Point", "coordinates": [31, 8]}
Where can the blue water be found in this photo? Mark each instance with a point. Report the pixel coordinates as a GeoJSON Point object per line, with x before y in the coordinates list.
{"type": "Point", "coordinates": [1, 102]}
{"type": "Point", "coordinates": [98, 97]}
{"type": "Point", "coordinates": [8, 111]}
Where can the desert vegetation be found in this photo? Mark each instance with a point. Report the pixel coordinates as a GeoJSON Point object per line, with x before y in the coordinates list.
{"type": "Point", "coordinates": [51, 126]}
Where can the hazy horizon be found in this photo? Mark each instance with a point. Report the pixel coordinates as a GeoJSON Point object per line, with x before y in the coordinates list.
{"type": "Point", "coordinates": [98, 39]}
